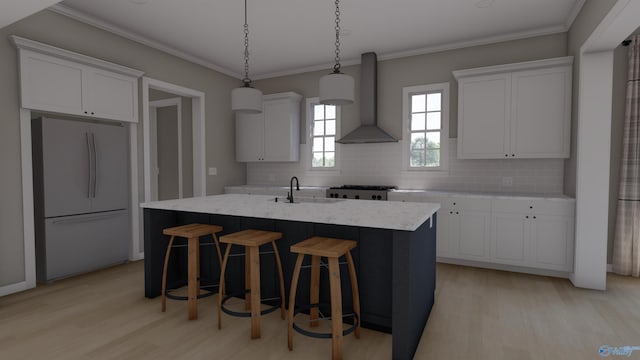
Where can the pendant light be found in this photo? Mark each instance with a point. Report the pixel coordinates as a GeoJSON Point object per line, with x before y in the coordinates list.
{"type": "Point", "coordinates": [337, 88]}
{"type": "Point", "coordinates": [246, 99]}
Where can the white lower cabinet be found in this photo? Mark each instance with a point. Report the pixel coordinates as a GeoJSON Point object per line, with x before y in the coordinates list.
{"type": "Point", "coordinates": [520, 233]}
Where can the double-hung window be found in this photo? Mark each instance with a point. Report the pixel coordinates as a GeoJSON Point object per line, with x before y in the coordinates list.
{"type": "Point", "coordinates": [323, 132]}
{"type": "Point", "coordinates": [426, 120]}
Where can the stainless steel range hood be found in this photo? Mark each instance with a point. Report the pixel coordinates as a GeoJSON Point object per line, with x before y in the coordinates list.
{"type": "Point", "coordinates": [368, 132]}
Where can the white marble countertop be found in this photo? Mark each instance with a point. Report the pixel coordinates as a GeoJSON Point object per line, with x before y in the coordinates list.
{"type": "Point", "coordinates": [362, 213]}
{"type": "Point", "coordinates": [487, 194]}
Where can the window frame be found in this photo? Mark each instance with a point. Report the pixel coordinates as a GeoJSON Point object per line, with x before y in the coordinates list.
{"type": "Point", "coordinates": [309, 104]}
{"type": "Point", "coordinates": [443, 88]}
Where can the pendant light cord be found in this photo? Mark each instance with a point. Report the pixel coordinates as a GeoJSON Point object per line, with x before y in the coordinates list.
{"type": "Point", "coordinates": [336, 67]}
{"type": "Point", "coordinates": [246, 80]}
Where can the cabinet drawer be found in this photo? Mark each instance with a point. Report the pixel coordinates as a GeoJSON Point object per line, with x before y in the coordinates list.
{"type": "Point", "coordinates": [468, 203]}
{"type": "Point", "coordinates": [534, 206]}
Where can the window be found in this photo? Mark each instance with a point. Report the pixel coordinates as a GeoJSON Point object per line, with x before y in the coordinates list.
{"type": "Point", "coordinates": [426, 120]}
{"type": "Point", "coordinates": [323, 131]}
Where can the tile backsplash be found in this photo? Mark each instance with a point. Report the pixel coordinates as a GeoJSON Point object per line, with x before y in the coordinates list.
{"type": "Point", "coordinates": [381, 164]}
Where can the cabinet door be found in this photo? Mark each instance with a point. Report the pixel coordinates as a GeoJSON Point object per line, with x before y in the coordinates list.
{"type": "Point", "coordinates": [249, 137]}
{"type": "Point", "coordinates": [111, 183]}
{"type": "Point", "coordinates": [474, 229]}
{"type": "Point", "coordinates": [552, 242]}
{"type": "Point", "coordinates": [509, 235]}
{"type": "Point", "coordinates": [540, 113]}
{"type": "Point", "coordinates": [111, 96]}
{"type": "Point", "coordinates": [483, 117]}
{"type": "Point", "coordinates": [443, 233]}
{"type": "Point", "coordinates": [281, 137]}
{"type": "Point", "coordinates": [51, 84]}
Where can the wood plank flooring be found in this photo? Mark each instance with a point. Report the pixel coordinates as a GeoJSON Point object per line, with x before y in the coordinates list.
{"type": "Point", "coordinates": [478, 314]}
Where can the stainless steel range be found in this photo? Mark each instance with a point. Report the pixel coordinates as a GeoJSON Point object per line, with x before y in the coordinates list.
{"type": "Point", "coordinates": [364, 192]}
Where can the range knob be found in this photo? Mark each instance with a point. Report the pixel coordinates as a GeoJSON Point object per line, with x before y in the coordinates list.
{"type": "Point", "coordinates": [357, 196]}
{"type": "Point", "coordinates": [373, 197]}
{"type": "Point", "coordinates": [344, 196]}
{"type": "Point", "coordinates": [378, 197]}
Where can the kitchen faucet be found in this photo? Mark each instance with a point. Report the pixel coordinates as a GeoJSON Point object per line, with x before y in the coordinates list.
{"type": "Point", "coordinates": [290, 196]}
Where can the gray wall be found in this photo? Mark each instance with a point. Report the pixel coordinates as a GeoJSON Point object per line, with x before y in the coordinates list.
{"type": "Point", "coordinates": [395, 74]}
{"type": "Point", "coordinates": [60, 31]}
{"type": "Point", "coordinates": [168, 176]}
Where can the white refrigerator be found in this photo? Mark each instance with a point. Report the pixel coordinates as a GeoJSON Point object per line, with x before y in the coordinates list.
{"type": "Point", "coordinates": [81, 196]}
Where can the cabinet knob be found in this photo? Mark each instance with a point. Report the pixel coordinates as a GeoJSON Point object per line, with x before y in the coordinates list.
{"type": "Point", "coordinates": [527, 216]}
{"type": "Point", "coordinates": [534, 217]}
{"type": "Point", "coordinates": [530, 206]}
{"type": "Point", "coordinates": [450, 212]}
{"type": "Point", "coordinates": [454, 203]}
{"type": "Point", "coordinates": [92, 113]}
{"type": "Point", "coordinates": [457, 213]}
{"type": "Point", "coordinates": [513, 155]}
{"type": "Point", "coordinates": [86, 112]}
{"type": "Point", "coordinates": [506, 155]}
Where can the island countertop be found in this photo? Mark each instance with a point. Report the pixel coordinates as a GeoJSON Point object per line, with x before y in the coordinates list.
{"type": "Point", "coordinates": [363, 213]}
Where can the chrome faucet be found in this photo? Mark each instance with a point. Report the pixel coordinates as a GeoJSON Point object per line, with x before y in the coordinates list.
{"type": "Point", "coordinates": [290, 196]}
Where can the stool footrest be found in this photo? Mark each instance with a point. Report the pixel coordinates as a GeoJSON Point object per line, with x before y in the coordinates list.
{"type": "Point", "coordinates": [323, 335]}
{"type": "Point", "coordinates": [208, 293]}
{"type": "Point", "coordinates": [245, 313]}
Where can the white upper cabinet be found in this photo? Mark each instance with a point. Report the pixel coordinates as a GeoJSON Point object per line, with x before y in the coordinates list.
{"type": "Point", "coordinates": [273, 135]}
{"type": "Point", "coordinates": [518, 110]}
{"type": "Point", "coordinates": [60, 81]}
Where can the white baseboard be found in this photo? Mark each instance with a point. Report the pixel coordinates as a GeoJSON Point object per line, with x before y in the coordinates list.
{"type": "Point", "coordinates": [14, 288]}
{"type": "Point", "coordinates": [138, 256]}
{"type": "Point", "coordinates": [520, 269]}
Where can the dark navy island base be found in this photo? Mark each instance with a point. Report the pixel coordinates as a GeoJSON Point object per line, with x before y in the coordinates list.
{"type": "Point", "coordinates": [396, 269]}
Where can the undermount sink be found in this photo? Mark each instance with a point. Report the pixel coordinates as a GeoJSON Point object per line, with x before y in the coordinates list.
{"type": "Point", "coordinates": [298, 200]}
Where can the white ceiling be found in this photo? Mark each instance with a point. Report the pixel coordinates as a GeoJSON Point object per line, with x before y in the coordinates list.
{"type": "Point", "coordinates": [14, 10]}
{"type": "Point", "coordinates": [289, 36]}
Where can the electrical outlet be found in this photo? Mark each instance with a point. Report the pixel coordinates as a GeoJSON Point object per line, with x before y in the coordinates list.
{"type": "Point", "coordinates": [507, 181]}
{"type": "Point", "coordinates": [213, 171]}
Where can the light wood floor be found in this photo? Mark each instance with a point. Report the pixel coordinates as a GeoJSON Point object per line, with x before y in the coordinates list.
{"type": "Point", "coordinates": [478, 314]}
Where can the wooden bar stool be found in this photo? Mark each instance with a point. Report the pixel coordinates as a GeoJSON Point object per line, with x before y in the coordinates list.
{"type": "Point", "coordinates": [332, 249]}
{"type": "Point", "coordinates": [192, 232]}
{"type": "Point", "coordinates": [251, 240]}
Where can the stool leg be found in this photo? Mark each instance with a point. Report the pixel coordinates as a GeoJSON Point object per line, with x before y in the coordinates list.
{"type": "Point", "coordinates": [336, 309]}
{"type": "Point", "coordinates": [221, 288]}
{"type": "Point", "coordinates": [193, 286]}
{"type": "Point", "coordinates": [247, 278]}
{"type": "Point", "coordinates": [354, 292]}
{"type": "Point", "coordinates": [164, 275]}
{"type": "Point", "coordinates": [314, 297]}
{"type": "Point", "coordinates": [217, 243]}
{"type": "Point", "coordinates": [279, 264]}
{"type": "Point", "coordinates": [292, 297]}
{"type": "Point", "coordinates": [254, 268]}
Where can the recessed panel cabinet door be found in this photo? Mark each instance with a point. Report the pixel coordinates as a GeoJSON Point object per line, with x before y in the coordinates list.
{"type": "Point", "coordinates": [541, 102]}
{"type": "Point", "coordinates": [280, 137]}
{"type": "Point", "coordinates": [483, 113]}
{"type": "Point", "coordinates": [509, 233]}
{"type": "Point", "coordinates": [111, 96]}
{"type": "Point", "coordinates": [443, 233]}
{"type": "Point", "coordinates": [249, 137]}
{"type": "Point", "coordinates": [474, 235]}
{"type": "Point", "coordinates": [51, 84]}
{"type": "Point", "coordinates": [552, 240]}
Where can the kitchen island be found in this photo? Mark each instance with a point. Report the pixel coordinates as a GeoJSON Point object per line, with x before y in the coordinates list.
{"type": "Point", "coordinates": [395, 257]}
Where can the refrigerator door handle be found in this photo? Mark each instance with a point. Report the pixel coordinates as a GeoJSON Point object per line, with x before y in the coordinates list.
{"type": "Point", "coordinates": [95, 164]}
{"type": "Point", "coordinates": [90, 157]}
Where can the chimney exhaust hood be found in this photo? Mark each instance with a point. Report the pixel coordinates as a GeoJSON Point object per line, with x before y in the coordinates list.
{"type": "Point", "coordinates": [368, 132]}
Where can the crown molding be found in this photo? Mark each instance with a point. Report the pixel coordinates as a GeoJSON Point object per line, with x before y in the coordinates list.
{"type": "Point", "coordinates": [100, 24]}
{"type": "Point", "coordinates": [526, 65]}
{"type": "Point", "coordinates": [34, 46]}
